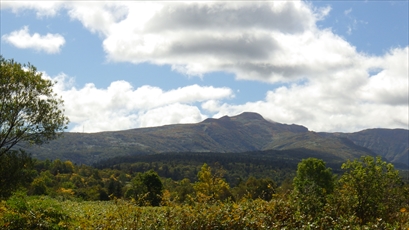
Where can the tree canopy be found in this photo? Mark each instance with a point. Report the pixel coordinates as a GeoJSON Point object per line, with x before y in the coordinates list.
{"type": "Point", "coordinates": [313, 182]}
{"type": "Point", "coordinates": [147, 188]}
{"type": "Point", "coordinates": [29, 109]}
{"type": "Point", "coordinates": [371, 188]}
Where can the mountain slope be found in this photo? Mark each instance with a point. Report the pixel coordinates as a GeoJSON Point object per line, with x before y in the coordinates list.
{"type": "Point", "coordinates": [393, 144]}
{"type": "Point", "coordinates": [333, 145]}
{"type": "Point", "coordinates": [243, 133]}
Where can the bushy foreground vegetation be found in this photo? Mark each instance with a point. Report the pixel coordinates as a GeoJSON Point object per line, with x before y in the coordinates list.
{"type": "Point", "coordinates": [21, 212]}
{"type": "Point", "coordinates": [368, 195]}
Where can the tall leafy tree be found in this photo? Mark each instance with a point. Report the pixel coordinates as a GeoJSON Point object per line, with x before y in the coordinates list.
{"type": "Point", "coordinates": [147, 188]}
{"type": "Point", "coordinates": [29, 112]}
{"type": "Point", "coordinates": [15, 171]}
{"type": "Point", "coordinates": [313, 182]}
{"type": "Point", "coordinates": [29, 109]}
{"type": "Point", "coordinates": [211, 186]}
{"type": "Point", "coordinates": [371, 188]}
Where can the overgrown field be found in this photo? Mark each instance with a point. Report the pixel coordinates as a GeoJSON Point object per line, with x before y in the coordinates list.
{"type": "Point", "coordinates": [43, 212]}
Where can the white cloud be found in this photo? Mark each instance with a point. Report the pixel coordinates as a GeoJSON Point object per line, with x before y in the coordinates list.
{"type": "Point", "coordinates": [348, 100]}
{"type": "Point", "coordinates": [196, 38]}
{"type": "Point", "coordinates": [390, 85]}
{"type": "Point", "coordinates": [43, 8]}
{"type": "Point", "coordinates": [171, 114]}
{"type": "Point", "coordinates": [265, 41]}
{"type": "Point", "coordinates": [322, 12]}
{"type": "Point", "coordinates": [49, 43]}
{"type": "Point", "coordinates": [120, 106]}
{"type": "Point", "coordinates": [97, 17]}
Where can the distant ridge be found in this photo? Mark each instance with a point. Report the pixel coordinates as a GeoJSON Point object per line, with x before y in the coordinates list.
{"type": "Point", "coordinates": [245, 132]}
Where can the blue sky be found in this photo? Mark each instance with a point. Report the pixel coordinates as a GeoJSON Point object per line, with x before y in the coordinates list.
{"type": "Point", "coordinates": [327, 65]}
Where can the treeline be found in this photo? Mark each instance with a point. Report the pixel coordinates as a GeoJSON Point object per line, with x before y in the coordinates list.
{"type": "Point", "coordinates": [176, 170]}
{"type": "Point", "coordinates": [65, 180]}
{"type": "Point", "coordinates": [279, 165]}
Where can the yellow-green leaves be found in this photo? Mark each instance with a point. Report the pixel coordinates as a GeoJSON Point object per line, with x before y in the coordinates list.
{"type": "Point", "coordinates": [211, 187]}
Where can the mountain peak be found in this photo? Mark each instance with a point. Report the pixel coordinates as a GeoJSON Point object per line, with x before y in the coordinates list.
{"type": "Point", "coordinates": [246, 116]}
{"type": "Point", "coordinates": [249, 116]}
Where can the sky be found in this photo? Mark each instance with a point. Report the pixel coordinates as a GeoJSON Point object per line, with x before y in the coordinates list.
{"type": "Point", "coordinates": [331, 66]}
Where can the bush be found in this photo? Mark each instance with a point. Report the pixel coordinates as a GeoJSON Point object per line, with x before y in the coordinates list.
{"type": "Point", "coordinates": [22, 212]}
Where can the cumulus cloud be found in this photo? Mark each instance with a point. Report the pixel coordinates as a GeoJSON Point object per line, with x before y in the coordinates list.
{"type": "Point", "coordinates": [120, 106]}
{"type": "Point", "coordinates": [390, 85]}
{"type": "Point", "coordinates": [43, 8]}
{"type": "Point", "coordinates": [348, 100]}
{"type": "Point", "coordinates": [266, 41]}
{"type": "Point", "coordinates": [195, 38]}
{"type": "Point", "coordinates": [329, 86]}
{"type": "Point", "coordinates": [171, 114]}
{"type": "Point", "coordinates": [49, 43]}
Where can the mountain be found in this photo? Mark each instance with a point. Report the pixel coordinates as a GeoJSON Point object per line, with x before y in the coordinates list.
{"type": "Point", "coordinates": [393, 144]}
{"type": "Point", "coordinates": [242, 133]}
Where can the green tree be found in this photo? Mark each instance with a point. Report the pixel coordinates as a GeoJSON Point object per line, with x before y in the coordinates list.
{"type": "Point", "coordinates": [313, 182]}
{"type": "Point", "coordinates": [15, 171]}
{"type": "Point", "coordinates": [38, 187]}
{"type": "Point", "coordinates": [184, 190]}
{"type": "Point", "coordinates": [254, 188]}
{"type": "Point", "coordinates": [371, 188]}
{"type": "Point", "coordinates": [114, 187]}
{"type": "Point", "coordinates": [29, 111]}
{"type": "Point", "coordinates": [147, 188]}
{"type": "Point", "coordinates": [263, 188]}
{"type": "Point", "coordinates": [211, 186]}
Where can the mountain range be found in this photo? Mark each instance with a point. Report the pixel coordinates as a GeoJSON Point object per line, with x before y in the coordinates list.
{"type": "Point", "coordinates": [242, 133]}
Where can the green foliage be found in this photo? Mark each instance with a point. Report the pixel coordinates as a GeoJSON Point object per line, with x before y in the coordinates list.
{"type": "Point", "coordinates": [121, 214]}
{"type": "Point", "coordinates": [197, 205]}
{"type": "Point", "coordinates": [371, 188]}
{"type": "Point", "coordinates": [29, 112]}
{"type": "Point", "coordinates": [22, 212]}
{"type": "Point", "coordinates": [38, 186]}
{"type": "Point", "coordinates": [15, 171]}
{"type": "Point", "coordinates": [211, 186]}
{"type": "Point", "coordinates": [314, 176]}
{"type": "Point", "coordinates": [313, 182]}
{"type": "Point", "coordinates": [253, 188]}
{"type": "Point", "coordinates": [274, 164]}
{"type": "Point", "coordinates": [184, 190]}
{"type": "Point", "coordinates": [61, 167]}
{"type": "Point", "coordinates": [147, 188]}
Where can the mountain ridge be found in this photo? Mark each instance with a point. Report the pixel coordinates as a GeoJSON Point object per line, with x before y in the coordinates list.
{"type": "Point", "coordinates": [241, 133]}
